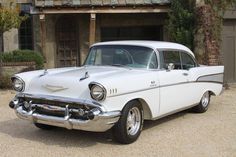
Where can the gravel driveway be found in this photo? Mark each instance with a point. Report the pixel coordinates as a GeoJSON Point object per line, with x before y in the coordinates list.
{"type": "Point", "coordinates": [212, 134]}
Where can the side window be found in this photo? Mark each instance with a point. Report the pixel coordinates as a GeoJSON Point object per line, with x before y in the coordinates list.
{"type": "Point", "coordinates": [171, 57]}
{"type": "Point", "coordinates": [187, 61]}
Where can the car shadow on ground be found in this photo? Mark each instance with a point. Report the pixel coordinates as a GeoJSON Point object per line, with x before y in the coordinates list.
{"type": "Point", "coordinates": [21, 129]}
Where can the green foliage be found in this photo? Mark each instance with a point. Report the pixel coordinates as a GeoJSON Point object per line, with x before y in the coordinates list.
{"type": "Point", "coordinates": [220, 6]}
{"type": "Point", "coordinates": [181, 22]}
{"type": "Point", "coordinates": [9, 17]}
{"type": "Point", "coordinates": [218, 9]}
{"type": "Point", "coordinates": [5, 82]}
{"type": "Point", "coordinates": [23, 56]}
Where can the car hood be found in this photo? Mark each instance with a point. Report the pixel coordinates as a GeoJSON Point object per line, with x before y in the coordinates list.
{"type": "Point", "coordinates": [73, 82]}
{"type": "Point", "coordinates": [92, 71]}
{"type": "Point", "coordinates": [70, 82]}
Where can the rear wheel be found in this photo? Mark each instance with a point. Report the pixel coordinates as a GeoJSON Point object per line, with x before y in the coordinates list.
{"type": "Point", "coordinates": [44, 126]}
{"type": "Point", "coordinates": [130, 124]}
{"type": "Point", "coordinates": [203, 104]}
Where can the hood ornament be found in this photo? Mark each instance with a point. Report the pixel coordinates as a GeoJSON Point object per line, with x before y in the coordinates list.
{"type": "Point", "coordinates": [86, 75]}
{"type": "Point", "coordinates": [45, 72]}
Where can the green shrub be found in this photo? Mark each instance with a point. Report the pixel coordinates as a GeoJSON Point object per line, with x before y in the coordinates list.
{"type": "Point", "coordinates": [5, 82]}
{"type": "Point", "coordinates": [181, 24]}
{"type": "Point", "coordinates": [23, 56]}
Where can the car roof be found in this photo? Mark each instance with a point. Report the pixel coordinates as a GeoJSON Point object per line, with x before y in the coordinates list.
{"type": "Point", "coordinates": [151, 44]}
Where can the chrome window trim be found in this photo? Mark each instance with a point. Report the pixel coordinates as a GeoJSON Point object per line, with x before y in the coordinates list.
{"type": "Point", "coordinates": [179, 51]}
{"type": "Point", "coordinates": [193, 59]}
{"type": "Point", "coordinates": [154, 50]}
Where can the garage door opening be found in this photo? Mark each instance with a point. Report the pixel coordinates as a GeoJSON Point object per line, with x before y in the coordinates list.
{"type": "Point", "coordinates": [132, 33]}
{"type": "Point", "coordinates": [229, 50]}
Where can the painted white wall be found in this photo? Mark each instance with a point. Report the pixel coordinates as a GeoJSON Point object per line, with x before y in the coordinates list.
{"type": "Point", "coordinates": [10, 40]}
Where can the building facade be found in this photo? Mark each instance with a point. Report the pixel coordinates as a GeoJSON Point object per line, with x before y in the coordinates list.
{"type": "Point", "coordinates": [68, 28]}
{"type": "Point", "coordinates": [63, 30]}
{"type": "Point", "coordinates": [18, 38]}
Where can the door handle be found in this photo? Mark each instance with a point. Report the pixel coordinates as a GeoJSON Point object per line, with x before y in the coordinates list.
{"type": "Point", "coordinates": [185, 74]}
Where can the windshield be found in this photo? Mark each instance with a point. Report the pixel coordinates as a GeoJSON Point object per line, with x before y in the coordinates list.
{"type": "Point", "coordinates": [122, 55]}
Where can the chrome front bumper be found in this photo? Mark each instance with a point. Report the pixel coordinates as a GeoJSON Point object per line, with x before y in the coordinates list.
{"type": "Point", "coordinates": [100, 122]}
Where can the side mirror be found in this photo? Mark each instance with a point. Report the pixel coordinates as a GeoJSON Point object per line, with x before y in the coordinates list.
{"type": "Point", "coordinates": [170, 66]}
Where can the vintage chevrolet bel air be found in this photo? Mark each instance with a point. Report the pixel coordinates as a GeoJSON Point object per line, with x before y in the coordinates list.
{"type": "Point", "coordinates": [121, 84]}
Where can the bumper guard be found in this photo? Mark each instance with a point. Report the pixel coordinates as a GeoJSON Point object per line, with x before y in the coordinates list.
{"type": "Point", "coordinates": [100, 122]}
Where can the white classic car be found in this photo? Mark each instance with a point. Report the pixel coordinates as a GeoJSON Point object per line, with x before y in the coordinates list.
{"type": "Point", "coordinates": [120, 85]}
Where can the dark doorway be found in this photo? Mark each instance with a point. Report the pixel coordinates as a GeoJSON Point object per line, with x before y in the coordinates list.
{"type": "Point", "coordinates": [132, 33]}
{"type": "Point", "coordinates": [67, 42]}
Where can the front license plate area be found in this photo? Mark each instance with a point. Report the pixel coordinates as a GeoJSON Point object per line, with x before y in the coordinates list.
{"type": "Point", "coordinates": [50, 110]}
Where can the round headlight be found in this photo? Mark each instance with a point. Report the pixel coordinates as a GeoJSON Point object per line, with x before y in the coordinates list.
{"type": "Point", "coordinates": [98, 92]}
{"type": "Point", "coordinates": [18, 84]}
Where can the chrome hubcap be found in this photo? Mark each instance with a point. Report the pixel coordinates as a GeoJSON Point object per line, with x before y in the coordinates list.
{"type": "Point", "coordinates": [133, 121]}
{"type": "Point", "coordinates": [205, 99]}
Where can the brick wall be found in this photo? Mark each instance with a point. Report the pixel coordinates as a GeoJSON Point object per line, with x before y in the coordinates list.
{"type": "Point", "coordinates": [206, 48]}
{"type": "Point", "coordinates": [14, 68]}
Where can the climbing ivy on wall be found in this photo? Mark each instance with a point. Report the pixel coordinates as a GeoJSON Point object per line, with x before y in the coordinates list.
{"type": "Point", "coordinates": [198, 26]}
{"type": "Point", "coordinates": [208, 30]}
{"type": "Point", "coordinates": [218, 8]}
{"type": "Point", "coordinates": [181, 22]}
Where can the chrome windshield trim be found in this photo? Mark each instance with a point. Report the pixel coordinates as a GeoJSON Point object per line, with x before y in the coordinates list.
{"type": "Point", "coordinates": [61, 99]}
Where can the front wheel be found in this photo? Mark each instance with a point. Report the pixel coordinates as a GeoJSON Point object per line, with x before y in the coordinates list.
{"type": "Point", "coordinates": [130, 124]}
{"type": "Point", "coordinates": [203, 104]}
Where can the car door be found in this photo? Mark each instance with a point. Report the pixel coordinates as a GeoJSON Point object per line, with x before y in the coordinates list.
{"type": "Point", "coordinates": [192, 89]}
{"type": "Point", "coordinates": [174, 83]}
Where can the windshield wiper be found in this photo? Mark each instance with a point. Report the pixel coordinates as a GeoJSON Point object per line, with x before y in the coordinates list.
{"type": "Point", "coordinates": [119, 65]}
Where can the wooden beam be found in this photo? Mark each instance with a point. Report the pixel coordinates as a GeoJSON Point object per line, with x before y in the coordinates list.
{"type": "Point", "coordinates": [23, 1]}
{"type": "Point", "coordinates": [43, 35]}
{"type": "Point", "coordinates": [92, 29]}
{"type": "Point", "coordinates": [103, 10]}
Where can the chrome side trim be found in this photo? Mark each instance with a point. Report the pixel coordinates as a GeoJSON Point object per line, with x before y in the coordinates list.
{"type": "Point", "coordinates": [163, 86]}
{"type": "Point", "coordinates": [216, 82]}
{"type": "Point", "coordinates": [141, 90]}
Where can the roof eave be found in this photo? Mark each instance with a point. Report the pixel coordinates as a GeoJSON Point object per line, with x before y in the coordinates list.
{"type": "Point", "coordinates": [101, 9]}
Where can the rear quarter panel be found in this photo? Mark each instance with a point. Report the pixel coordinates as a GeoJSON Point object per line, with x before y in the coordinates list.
{"type": "Point", "coordinates": [206, 78]}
